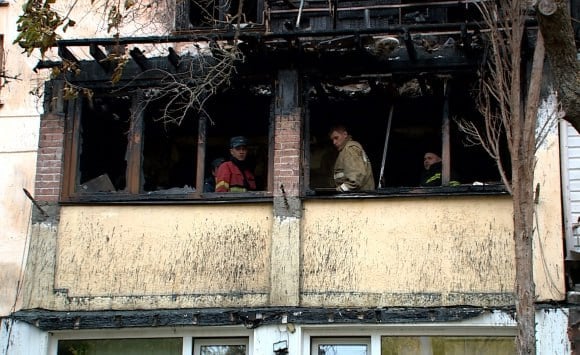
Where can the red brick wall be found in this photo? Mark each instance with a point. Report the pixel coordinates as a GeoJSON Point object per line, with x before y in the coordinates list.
{"type": "Point", "coordinates": [49, 164]}
{"type": "Point", "coordinates": [287, 154]}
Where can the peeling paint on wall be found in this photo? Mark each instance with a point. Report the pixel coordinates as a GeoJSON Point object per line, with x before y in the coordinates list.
{"type": "Point", "coordinates": [9, 277]}
{"type": "Point", "coordinates": [177, 250]}
{"type": "Point", "coordinates": [408, 252]}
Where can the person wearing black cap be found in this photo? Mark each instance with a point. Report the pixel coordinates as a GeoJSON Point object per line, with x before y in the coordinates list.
{"type": "Point", "coordinates": [431, 174]}
{"type": "Point", "coordinates": [235, 175]}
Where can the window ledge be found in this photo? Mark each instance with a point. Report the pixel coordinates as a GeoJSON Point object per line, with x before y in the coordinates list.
{"type": "Point", "coordinates": [168, 199]}
{"type": "Point", "coordinates": [461, 190]}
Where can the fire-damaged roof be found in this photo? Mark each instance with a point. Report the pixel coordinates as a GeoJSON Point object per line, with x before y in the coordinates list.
{"type": "Point", "coordinates": [325, 39]}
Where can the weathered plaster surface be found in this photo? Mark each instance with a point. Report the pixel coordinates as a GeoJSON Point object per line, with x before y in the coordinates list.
{"type": "Point", "coordinates": [410, 252]}
{"type": "Point", "coordinates": [19, 122]}
{"type": "Point", "coordinates": [548, 227]}
{"type": "Point", "coordinates": [173, 255]}
{"type": "Point", "coordinates": [17, 173]}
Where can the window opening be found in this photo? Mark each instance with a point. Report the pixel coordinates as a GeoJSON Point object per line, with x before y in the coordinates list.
{"type": "Point", "coordinates": [103, 143]}
{"type": "Point", "coordinates": [416, 128]}
{"type": "Point", "coordinates": [204, 13]}
{"type": "Point", "coordinates": [241, 113]}
{"type": "Point", "coordinates": [169, 152]}
{"type": "Point", "coordinates": [212, 13]}
{"type": "Point", "coordinates": [117, 146]}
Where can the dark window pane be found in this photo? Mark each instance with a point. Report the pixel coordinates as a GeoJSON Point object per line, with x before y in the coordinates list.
{"type": "Point", "coordinates": [103, 143]}
{"type": "Point", "coordinates": [157, 346]}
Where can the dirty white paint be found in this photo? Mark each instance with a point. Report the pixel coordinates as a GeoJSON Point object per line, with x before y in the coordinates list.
{"type": "Point", "coordinates": [548, 230]}
{"type": "Point", "coordinates": [285, 263]}
{"type": "Point", "coordinates": [19, 124]}
{"type": "Point", "coordinates": [570, 168]}
{"type": "Point", "coordinates": [552, 331]}
{"type": "Point", "coordinates": [18, 338]}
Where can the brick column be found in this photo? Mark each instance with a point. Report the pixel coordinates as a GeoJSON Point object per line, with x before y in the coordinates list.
{"type": "Point", "coordinates": [285, 259]}
{"type": "Point", "coordinates": [49, 160]}
{"type": "Point", "coordinates": [49, 164]}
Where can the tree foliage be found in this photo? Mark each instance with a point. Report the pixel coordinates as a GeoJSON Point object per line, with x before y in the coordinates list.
{"type": "Point", "coordinates": [209, 68]}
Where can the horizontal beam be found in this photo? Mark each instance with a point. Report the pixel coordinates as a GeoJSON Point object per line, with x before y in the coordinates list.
{"type": "Point", "coordinates": [211, 34]}
{"type": "Point", "coordinates": [249, 318]}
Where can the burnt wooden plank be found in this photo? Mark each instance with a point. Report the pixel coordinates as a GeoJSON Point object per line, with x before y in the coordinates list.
{"type": "Point", "coordinates": [173, 57]}
{"type": "Point", "coordinates": [139, 58]}
{"type": "Point", "coordinates": [100, 57]}
{"type": "Point", "coordinates": [248, 317]}
{"type": "Point", "coordinates": [66, 54]}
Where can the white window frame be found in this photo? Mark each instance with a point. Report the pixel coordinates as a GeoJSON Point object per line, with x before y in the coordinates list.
{"type": "Point", "coordinates": [495, 325]}
{"type": "Point", "coordinates": [225, 335]}
{"type": "Point", "coordinates": [199, 342]}
{"type": "Point", "coordinates": [315, 342]}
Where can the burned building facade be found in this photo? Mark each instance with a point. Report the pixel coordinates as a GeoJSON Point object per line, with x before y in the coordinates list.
{"type": "Point", "coordinates": [128, 253]}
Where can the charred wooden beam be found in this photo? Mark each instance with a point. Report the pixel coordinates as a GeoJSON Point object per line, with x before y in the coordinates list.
{"type": "Point", "coordinates": [250, 318]}
{"type": "Point", "coordinates": [66, 54]}
{"type": "Point", "coordinates": [139, 58]}
{"type": "Point", "coordinates": [465, 38]}
{"type": "Point", "coordinates": [173, 57]}
{"type": "Point", "coordinates": [100, 57]}
{"type": "Point", "coordinates": [411, 51]}
{"type": "Point", "coordinates": [46, 64]}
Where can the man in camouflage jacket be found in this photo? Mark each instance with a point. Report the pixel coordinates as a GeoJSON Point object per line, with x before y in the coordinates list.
{"type": "Point", "coordinates": [352, 169]}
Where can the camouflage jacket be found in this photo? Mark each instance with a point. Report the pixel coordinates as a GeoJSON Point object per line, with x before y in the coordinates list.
{"type": "Point", "coordinates": [352, 169]}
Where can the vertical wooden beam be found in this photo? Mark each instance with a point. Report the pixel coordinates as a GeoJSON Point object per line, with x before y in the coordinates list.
{"type": "Point", "coordinates": [71, 147]}
{"type": "Point", "coordinates": [201, 146]}
{"type": "Point", "coordinates": [135, 146]}
{"type": "Point", "coordinates": [271, 148]}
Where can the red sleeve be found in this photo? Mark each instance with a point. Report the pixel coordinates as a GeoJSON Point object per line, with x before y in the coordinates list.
{"type": "Point", "coordinates": [223, 178]}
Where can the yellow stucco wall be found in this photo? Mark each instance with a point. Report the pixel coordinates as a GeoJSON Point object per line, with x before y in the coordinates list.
{"type": "Point", "coordinates": [179, 251]}
{"type": "Point", "coordinates": [430, 251]}
{"type": "Point", "coordinates": [407, 251]}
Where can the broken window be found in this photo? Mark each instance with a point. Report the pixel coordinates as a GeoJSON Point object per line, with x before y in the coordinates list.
{"type": "Point", "coordinates": [397, 121]}
{"type": "Point", "coordinates": [198, 14]}
{"type": "Point", "coordinates": [123, 145]}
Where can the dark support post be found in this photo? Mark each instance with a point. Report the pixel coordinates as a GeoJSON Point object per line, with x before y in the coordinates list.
{"type": "Point", "coordinates": [445, 149]}
{"type": "Point", "coordinates": [173, 57]}
{"type": "Point", "coordinates": [409, 45]}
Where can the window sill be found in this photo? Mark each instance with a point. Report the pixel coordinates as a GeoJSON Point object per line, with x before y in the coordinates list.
{"type": "Point", "coordinates": [167, 199]}
{"type": "Point", "coordinates": [461, 190]}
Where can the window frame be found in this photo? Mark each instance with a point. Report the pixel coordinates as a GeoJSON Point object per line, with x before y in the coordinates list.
{"type": "Point", "coordinates": [189, 336]}
{"type": "Point", "coordinates": [133, 189]}
{"type": "Point", "coordinates": [474, 328]}
{"type": "Point", "coordinates": [397, 191]}
{"type": "Point", "coordinates": [316, 341]}
{"type": "Point", "coordinates": [199, 342]}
